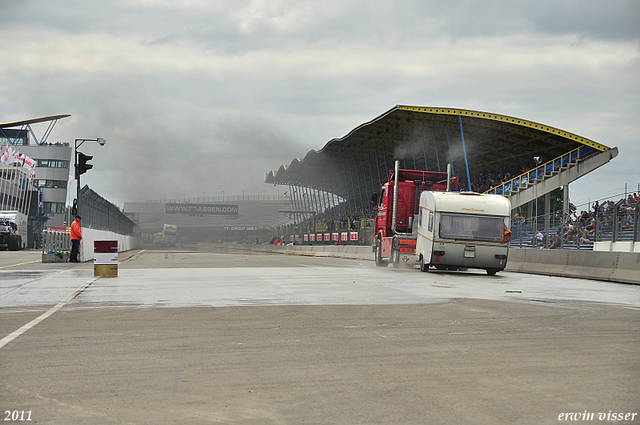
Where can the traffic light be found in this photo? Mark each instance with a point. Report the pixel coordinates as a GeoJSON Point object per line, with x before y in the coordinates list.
{"type": "Point", "coordinates": [83, 165]}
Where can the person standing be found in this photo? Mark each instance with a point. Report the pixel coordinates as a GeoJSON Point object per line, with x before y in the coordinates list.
{"type": "Point", "coordinates": [76, 237]}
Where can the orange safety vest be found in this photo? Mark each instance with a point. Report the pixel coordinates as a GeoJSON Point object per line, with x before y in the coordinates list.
{"type": "Point", "coordinates": [76, 233]}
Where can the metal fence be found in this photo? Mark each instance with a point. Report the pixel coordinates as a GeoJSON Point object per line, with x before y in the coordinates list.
{"type": "Point", "coordinates": [99, 214]}
{"type": "Point", "coordinates": [55, 241]}
{"type": "Point", "coordinates": [610, 221]}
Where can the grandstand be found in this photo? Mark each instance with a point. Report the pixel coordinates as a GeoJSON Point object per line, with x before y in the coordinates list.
{"type": "Point", "coordinates": [493, 153]}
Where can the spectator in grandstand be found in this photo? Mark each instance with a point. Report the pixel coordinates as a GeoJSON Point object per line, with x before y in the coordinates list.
{"type": "Point", "coordinates": [518, 220]}
{"type": "Point", "coordinates": [571, 233]}
{"type": "Point", "coordinates": [539, 239]}
{"type": "Point", "coordinates": [586, 236]}
{"type": "Point", "coordinates": [591, 225]}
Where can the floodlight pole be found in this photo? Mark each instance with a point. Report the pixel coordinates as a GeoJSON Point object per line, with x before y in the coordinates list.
{"type": "Point", "coordinates": [98, 140]}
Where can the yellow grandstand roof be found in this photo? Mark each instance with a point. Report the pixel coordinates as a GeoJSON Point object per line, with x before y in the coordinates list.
{"type": "Point", "coordinates": [428, 138]}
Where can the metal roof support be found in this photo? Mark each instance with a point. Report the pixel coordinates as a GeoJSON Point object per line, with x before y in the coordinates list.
{"type": "Point", "coordinates": [321, 201]}
{"type": "Point", "coordinates": [306, 202]}
{"type": "Point", "coordinates": [336, 204]}
{"type": "Point", "coordinates": [373, 182]}
{"type": "Point", "coordinates": [353, 187]}
{"type": "Point", "coordinates": [435, 144]}
{"type": "Point", "coordinates": [464, 150]}
{"type": "Point", "coordinates": [446, 128]}
{"type": "Point", "coordinates": [346, 187]}
{"type": "Point", "coordinates": [325, 197]}
{"type": "Point", "coordinates": [328, 203]}
{"type": "Point", "coordinates": [9, 138]}
{"type": "Point", "coordinates": [378, 166]}
{"type": "Point", "coordinates": [295, 195]}
{"type": "Point", "coordinates": [413, 151]}
{"type": "Point", "coordinates": [46, 134]}
{"type": "Point", "coordinates": [314, 200]}
{"type": "Point", "coordinates": [386, 166]}
{"type": "Point", "coordinates": [365, 200]}
{"type": "Point", "coordinates": [336, 189]}
{"type": "Point", "coordinates": [424, 147]}
{"type": "Point", "coordinates": [293, 207]}
{"type": "Point", "coordinates": [300, 217]}
{"type": "Point", "coordinates": [309, 199]}
{"type": "Point", "coordinates": [292, 193]}
{"type": "Point", "coordinates": [306, 205]}
{"type": "Point", "coordinates": [306, 197]}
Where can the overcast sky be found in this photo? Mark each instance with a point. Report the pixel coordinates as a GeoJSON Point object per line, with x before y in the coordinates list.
{"type": "Point", "coordinates": [200, 96]}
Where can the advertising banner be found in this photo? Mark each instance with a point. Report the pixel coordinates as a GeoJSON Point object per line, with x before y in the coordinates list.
{"type": "Point", "coordinates": [200, 209]}
{"type": "Point", "coordinates": [353, 236]}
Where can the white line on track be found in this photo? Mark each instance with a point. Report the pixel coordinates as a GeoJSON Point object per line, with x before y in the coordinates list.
{"type": "Point", "coordinates": [15, 334]}
{"type": "Point", "coordinates": [20, 264]}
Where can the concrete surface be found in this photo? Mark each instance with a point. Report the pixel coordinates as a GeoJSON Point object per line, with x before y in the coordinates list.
{"type": "Point", "coordinates": [248, 338]}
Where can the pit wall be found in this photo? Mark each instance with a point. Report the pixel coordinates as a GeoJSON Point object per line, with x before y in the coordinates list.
{"type": "Point", "coordinates": [601, 265]}
{"type": "Point", "coordinates": [125, 243]}
{"type": "Point", "coordinates": [623, 267]}
{"type": "Point", "coordinates": [624, 246]}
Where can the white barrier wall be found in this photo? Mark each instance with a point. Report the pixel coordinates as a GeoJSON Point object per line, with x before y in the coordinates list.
{"type": "Point", "coordinates": [610, 266]}
{"type": "Point", "coordinates": [624, 246]}
{"type": "Point", "coordinates": [125, 243]}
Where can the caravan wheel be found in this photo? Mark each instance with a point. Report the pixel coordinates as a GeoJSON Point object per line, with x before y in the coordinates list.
{"type": "Point", "coordinates": [423, 266]}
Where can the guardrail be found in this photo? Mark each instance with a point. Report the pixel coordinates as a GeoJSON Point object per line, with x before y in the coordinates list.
{"type": "Point", "coordinates": [56, 241]}
{"type": "Point", "coordinates": [545, 170]}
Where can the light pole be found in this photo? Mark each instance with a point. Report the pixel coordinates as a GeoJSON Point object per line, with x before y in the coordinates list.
{"type": "Point", "coordinates": [82, 165]}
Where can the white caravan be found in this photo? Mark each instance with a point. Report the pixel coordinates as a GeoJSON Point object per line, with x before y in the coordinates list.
{"type": "Point", "coordinates": [457, 231]}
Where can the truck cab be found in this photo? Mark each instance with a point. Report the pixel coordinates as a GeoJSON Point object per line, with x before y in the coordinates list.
{"type": "Point", "coordinates": [395, 233]}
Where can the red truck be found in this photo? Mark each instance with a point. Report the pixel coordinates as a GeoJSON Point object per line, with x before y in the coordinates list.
{"type": "Point", "coordinates": [398, 203]}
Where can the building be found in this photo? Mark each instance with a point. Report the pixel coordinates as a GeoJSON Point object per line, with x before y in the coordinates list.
{"type": "Point", "coordinates": [52, 171]}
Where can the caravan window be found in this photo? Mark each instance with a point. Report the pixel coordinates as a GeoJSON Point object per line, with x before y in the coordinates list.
{"type": "Point", "coordinates": [471, 227]}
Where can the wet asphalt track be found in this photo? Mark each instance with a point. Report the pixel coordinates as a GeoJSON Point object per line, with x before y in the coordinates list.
{"type": "Point", "coordinates": [184, 337]}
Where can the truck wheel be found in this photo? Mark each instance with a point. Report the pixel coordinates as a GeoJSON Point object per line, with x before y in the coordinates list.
{"type": "Point", "coordinates": [423, 266]}
{"type": "Point", "coordinates": [13, 242]}
{"type": "Point", "coordinates": [492, 272]}
{"type": "Point", "coordinates": [395, 253]}
{"type": "Point", "coordinates": [379, 261]}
